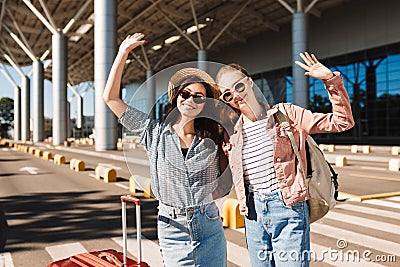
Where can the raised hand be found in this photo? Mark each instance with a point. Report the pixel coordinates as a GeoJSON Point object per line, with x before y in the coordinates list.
{"type": "Point", "coordinates": [314, 68]}
{"type": "Point", "coordinates": [132, 41]}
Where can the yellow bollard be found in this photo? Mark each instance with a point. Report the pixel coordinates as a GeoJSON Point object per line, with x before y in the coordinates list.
{"type": "Point", "coordinates": [394, 165]}
{"type": "Point", "coordinates": [59, 159]}
{"type": "Point", "coordinates": [38, 153]}
{"type": "Point", "coordinates": [72, 164]}
{"type": "Point", "coordinates": [47, 155]}
{"type": "Point", "coordinates": [79, 165]}
{"type": "Point", "coordinates": [341, 161]}
{"type": "Point", "coordinates": [108, 174]}
{"type": "Point", "coordinates": [137, 182]}
{"type": "Point", "coordinates": [231, 215]}
{"type": "Point", "coordinates": [31, 150]}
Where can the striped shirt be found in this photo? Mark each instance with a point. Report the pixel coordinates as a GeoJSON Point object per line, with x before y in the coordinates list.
{"type": "Point", "coordinates": [258, 155]}
{"type": "Point", "coordinates": [176, 180]}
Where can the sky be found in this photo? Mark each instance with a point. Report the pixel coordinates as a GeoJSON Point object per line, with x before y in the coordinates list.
{"type": "Point", "coordinates": [7, 90]}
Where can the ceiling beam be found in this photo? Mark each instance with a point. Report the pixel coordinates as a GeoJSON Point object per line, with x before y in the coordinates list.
{"type": "Point", "coordinates": [228, 24]}
{"type": "Point", "coordinates": [196, 24]}
{"type": "Point", "coordinates": [76, 17]}
{"type": "Point", "coordinates": [40, 16]}
{"type": "Point", "coordinates": [27, 49]}
{"type": "Point", "coordinates": [183, 34]}
{"type": "Point", "coordinates": [147, 9]}
{"type": "Point", "coordinates": [264, 21]}
{"type": "Point", "coordinates": [3, 11]}
{"type": "Point", "coordinates": [22, 35]}
{"type": "Point", "coordinates": [287, 6]}
{"type": "Point", "coordinates": [48, 15]}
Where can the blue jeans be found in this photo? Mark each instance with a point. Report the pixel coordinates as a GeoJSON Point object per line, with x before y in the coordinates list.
{"type": "Point", "coordinates": [277, 235]}
{"type": "Point", "coordinates": [191, 236]}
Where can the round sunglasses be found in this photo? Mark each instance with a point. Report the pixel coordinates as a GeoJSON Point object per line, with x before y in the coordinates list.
{"type": "Point", "coordinates": [239, 87]}
{"type": "Point", "coordinates": [198, 99]}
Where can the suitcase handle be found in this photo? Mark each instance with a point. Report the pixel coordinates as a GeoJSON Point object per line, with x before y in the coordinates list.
{"type": "Point", "coordinates": [124, 199]}
{"type": "Point", "coordinates": [111, 258]}
{"type": "Point", "coordinates": [130, 198]}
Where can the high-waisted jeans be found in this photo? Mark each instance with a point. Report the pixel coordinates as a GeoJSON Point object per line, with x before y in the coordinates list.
{"type": "Point", "coordinates": [192, 236]}
{"type": "Point", "coordinates": [277, 235]}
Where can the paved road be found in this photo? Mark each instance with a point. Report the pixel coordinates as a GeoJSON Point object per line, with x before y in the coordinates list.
{"type": "Point", "coordinates": [53, 212]}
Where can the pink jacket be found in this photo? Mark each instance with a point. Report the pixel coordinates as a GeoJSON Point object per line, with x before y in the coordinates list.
{"type": "Point", "coordinates": [303, 123]}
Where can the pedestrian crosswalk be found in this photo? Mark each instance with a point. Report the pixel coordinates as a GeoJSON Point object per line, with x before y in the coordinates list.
{"type": "Point", "coordinates": [353, 234]}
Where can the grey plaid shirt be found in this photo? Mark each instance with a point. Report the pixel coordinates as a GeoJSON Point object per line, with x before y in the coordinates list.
{"type": "Point", "coordinates": [176, 180]}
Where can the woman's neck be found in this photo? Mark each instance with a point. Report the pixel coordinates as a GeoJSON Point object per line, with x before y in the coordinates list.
{"type": "Point", "coordinates": [253, 112]}
{"type": "Point", "coordinates": [184, 126]}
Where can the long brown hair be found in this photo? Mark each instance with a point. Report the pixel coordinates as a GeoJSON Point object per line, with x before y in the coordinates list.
{"type": "Point", "coordinates": [203, 124]}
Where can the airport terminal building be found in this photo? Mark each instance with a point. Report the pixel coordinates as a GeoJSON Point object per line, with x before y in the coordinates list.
{"type": "Point", "coordinates": [359, 38]}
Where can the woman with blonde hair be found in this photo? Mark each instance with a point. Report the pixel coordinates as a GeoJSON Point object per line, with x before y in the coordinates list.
{"type": "Point", "coordinates": [269, 184]}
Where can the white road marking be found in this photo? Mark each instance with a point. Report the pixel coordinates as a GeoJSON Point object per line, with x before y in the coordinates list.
{"type": "Point", "coordinates": [240, 230]}
{"type": "Point", "coordinates": [394, 198]}
{"type": "Point", "coordinates": [92, 175]}
{"type": "Point", "coordinates": [30, 170]}
{"type": "Point", "coordinates": [121, 185]}
{"type": "Point", "coordinates": [383, 203]}
{"type": "Point", "coordinates": [363, 222]}
{"type": "Point", "coordinates": [110, 166]}
{"type": "Point", "coordinates": [6, 260]}
{"type": "Point", "coordinates": [238, 255]}
{"type": "Point", "coordinates": [5, 149]}
{"type": "Point", "coordinates": [150, 251]}
{"type": "Point", "coordinates": [372, 168]}
{"type": "Point", "coordinates": [356, 238]}
{"type": "Point", "coordinates": [367, 210]}
{"type": "Point", "coordinates": [63, 251]}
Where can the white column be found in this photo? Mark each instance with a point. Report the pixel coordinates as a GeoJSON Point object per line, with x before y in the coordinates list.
{"type": "Point", "coordinates": [299, 45]}
{"type": "Point", "coordinates": [17, 114]}
{"type": "Point", "coordinates": [59, 68]}
{"type": "Point", "coordinates": [38, 103]}
{"type": "Point", "coordinates": [105, 44]}
{"type": "Point", "coordinates": [25, 109]}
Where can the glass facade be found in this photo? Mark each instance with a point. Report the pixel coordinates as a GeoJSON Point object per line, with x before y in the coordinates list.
{"type": "Point", "coordinates": [372, 80]}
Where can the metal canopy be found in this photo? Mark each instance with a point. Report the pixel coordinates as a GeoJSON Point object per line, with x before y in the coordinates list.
{"type": "Point", "coordinates": [223, 23]}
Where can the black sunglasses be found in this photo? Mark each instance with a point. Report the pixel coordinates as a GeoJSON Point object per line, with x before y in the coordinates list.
{"type": "Point", "coordinates": [228, 95]}
{"type": "Point", "coordinates": [198, 99]}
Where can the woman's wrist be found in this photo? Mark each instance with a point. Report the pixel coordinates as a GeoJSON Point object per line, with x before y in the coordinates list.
{"type": "Point", "coordinates": [329, 76]}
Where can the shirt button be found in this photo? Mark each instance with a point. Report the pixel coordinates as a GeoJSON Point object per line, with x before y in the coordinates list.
{"type": "Point", "coordinates": [278, 159]}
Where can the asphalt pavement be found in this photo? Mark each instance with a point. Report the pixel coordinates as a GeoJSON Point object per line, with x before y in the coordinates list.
{"type": "Point", "coordinates": [53, 212]}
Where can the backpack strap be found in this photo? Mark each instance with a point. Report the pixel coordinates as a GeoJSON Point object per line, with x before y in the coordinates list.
{"type": "Point", "coordinates": [283, 120]}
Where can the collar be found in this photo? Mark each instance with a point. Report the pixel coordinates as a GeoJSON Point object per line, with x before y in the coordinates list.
{"type": "Point", "coordinates": [270, 110]}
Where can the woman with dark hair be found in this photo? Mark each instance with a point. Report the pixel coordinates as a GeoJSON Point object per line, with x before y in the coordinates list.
{"type": "Point", "coordinates": [269, 185]}
{"type": "Point", "coordinates": [185, 162]}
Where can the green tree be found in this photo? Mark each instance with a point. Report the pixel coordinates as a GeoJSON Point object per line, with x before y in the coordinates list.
{"type": "Point", "coordinates": [6, 116]}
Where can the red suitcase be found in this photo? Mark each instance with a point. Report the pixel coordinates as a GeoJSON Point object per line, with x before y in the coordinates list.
{"type": "Point", "coordinates": [110, 257]}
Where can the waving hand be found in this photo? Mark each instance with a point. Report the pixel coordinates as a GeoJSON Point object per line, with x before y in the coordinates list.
{"type": "Point", "coordinates": [132, 41]}
{"type": "Point", "coordinates": [314, 68]}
